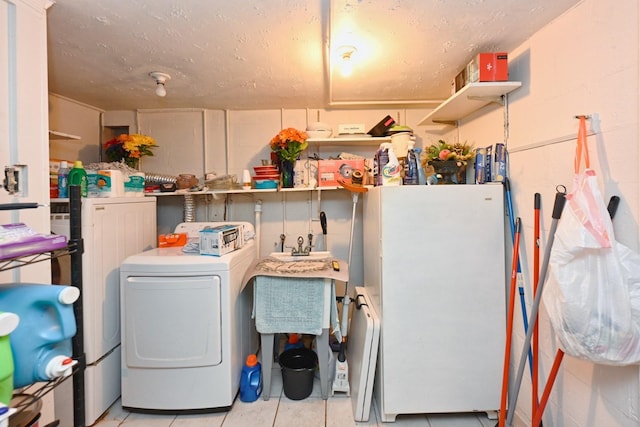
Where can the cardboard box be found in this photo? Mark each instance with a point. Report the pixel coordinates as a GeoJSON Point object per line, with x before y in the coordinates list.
{"type": "Point", "coordinates": [488, 67]}
{"type": "Point", "coordinates": [460, 80]}
{"type": "Point", "coordinates": [221, 240]}
{"type": "Point", "coordinates": [305, 173]}
{"type": "Point", "coordinates": [500, 163]}
{"type": "Point", "coordinates": [479, 164]}
{"type": "Point", "coordinates": [330, 171]}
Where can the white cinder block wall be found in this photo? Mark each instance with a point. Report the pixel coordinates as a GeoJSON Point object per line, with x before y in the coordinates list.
{"type": "Point", "coordinates": [584, 62]}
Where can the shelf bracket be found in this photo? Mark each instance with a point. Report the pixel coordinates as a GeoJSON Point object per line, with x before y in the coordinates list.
{"type": "Point", "coordinates": [446, 122]}
{"type": "Point", "coordinates": [493, 99]}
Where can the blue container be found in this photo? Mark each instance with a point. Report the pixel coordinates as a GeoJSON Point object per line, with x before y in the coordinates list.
{"type": "Point", "coordinates": [251, 380]}
{"type": "Point", "coordinates": [41, 343]}
{"type": "Point", "coordinates": [293, 342]}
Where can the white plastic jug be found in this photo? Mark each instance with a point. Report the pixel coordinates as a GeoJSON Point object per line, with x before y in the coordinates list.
{"type": "Point", "coordinates": [400, 142]}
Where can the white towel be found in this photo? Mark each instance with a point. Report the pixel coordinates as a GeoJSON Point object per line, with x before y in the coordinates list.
{"type": "Point", "coordinates": [291, 305]}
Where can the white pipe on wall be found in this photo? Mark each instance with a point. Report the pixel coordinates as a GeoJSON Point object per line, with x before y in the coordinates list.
{"type": "Point", "coordinates": [257, 209]}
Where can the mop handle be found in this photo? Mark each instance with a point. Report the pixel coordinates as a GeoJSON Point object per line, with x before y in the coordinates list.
{"type": "Point", "coordinates": [558, 205]}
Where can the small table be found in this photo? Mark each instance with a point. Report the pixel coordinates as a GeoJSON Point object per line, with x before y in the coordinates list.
{"type": "Point", "coordinates": [295, 296]}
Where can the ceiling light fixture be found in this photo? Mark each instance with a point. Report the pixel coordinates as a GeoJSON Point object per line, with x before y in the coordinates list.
{"type": "Point", "coordinates": [346, 55]}
{"type": "Point", "coordinates": [160, 79]}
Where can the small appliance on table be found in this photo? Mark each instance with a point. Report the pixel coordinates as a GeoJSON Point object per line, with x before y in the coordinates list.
{"type": "Point", "coordinates": [186, 326]}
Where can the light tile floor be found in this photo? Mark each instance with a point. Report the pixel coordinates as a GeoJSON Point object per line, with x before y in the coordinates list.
{"type": "Point", "coordinates": [279, 411]}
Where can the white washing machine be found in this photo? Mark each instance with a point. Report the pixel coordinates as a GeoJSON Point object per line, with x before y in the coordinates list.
{"type": "Point", "coordinates": [186, 326]}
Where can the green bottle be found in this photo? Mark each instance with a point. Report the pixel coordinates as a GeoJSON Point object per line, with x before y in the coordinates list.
{"type": "Point", "coordinates": [8, 322]}
{"type": "Point", "coordinates": [78, 176]}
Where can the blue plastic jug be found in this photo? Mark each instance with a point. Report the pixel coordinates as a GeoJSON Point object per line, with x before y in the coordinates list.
{"type": "Point", "coordinates": [251, 380]}
{"type": "Point", "coordinates": [41, 343]}
{"type": "Point", "coordinates": [293, 342]}
{"type": "Point", "coordinates": [8, 323]}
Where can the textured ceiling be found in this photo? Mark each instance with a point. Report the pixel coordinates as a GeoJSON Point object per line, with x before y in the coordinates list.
{"type": "Point", "coordinates": [250, 54]}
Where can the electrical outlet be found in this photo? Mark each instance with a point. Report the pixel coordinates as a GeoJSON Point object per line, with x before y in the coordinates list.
{"type": "Point", "coordinates": [15, 180]}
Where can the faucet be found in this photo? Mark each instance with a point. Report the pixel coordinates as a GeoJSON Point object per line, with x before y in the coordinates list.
{"type": "Point", "coordinates": [302, 251]}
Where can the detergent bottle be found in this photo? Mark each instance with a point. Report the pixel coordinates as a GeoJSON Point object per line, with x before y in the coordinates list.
{"type": "Point", "coordinates": [391, 171]}
{"type": "Point", "coordinates": [380, 160]}
{"type": "Point", "coordinates": [63, 180]}
{"type": "Point", "coordinates": [293, 342]}
{"type": "Point", "coordinates": [5, 413]}
{"type": "Point", "coordinates": [78, 176]}
{"type": "Point", "coordinates": [8, 323]}
{"type": "Point", "coordinates": [41, 343]}
{"type": "Point", "coordinates": [251, 379]}
{"type": "Point", "coordinates": [410, 167]}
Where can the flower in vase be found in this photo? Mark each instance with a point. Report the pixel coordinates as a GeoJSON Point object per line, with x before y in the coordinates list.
{"type": "Point", "coordinates": [289, 143]}
{"type": "Point", "coordinates": [129, 148]}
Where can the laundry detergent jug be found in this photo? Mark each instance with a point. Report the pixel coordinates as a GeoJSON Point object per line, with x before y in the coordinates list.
{"type": "Point", "coordinates": [251, 379]}
{"type": "Point", "coordinates": [8, 323]}
{"type": "Point", "coordinates": [41, 343]}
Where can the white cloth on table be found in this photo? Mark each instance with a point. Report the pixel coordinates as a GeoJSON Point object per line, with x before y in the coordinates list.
{"type": "Point", "coordinates": [298, 291]}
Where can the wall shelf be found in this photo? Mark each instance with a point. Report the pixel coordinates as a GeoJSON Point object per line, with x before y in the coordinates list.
{"type": "Point", "coordinates": [467, 100]}
{"type": "Point", "coordinates": [349, 141]}
{"type": "Point", "coordinates": [252, 191]}
{"type": "Point", "coordinates": [55, 135]}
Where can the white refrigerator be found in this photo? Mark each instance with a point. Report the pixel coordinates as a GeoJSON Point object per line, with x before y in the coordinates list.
{"type": "Point", "coordinates": [434, 262]}
{"type": "Point", "coordinates": [112, 230]}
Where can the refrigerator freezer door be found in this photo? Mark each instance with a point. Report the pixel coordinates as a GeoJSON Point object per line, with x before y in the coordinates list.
{"type": "Point", "coordinates": [436, 276]}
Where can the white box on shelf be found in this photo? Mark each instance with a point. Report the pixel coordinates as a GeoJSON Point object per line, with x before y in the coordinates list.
{"type": "Point", "coordinates": [351, 128]}
{"type": "Point", "coordinates": [220, 240]}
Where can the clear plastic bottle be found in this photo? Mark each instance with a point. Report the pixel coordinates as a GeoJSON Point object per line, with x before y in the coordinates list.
{"type": "Point", "coordinates": [63, 180]}
{"type": "Point", "coordinates": [78, 176]}
{"type": "Point", "coordinates": [422, 176]}
{"type": "Point", "coordinates": [251, 379]}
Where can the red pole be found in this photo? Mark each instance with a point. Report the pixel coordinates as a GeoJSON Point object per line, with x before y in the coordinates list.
{"type": "Point", "coordinates": [536, 275]}
{"type": "Point", "coordinates": [537, 418]}
{"type": "Point", "coordinates": [507, 347]}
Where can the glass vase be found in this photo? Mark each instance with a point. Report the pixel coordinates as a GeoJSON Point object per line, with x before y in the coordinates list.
{"type": "Point", "coordinates": [133, 162]}
{"type": "Point", "coordinates": [286, 173]}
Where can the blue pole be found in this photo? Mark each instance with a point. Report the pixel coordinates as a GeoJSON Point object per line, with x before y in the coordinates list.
{"type": "Point", "coordinates": [523, 305]}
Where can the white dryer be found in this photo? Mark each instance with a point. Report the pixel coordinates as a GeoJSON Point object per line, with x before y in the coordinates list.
{"type": "Point", "coordinates": [186, 326]}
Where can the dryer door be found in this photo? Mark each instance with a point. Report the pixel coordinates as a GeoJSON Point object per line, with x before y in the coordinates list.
{"type": "Point", "coordinates": [171, 322]}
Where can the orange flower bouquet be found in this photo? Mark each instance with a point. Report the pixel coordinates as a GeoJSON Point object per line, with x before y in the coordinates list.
{"type": "Point", "coordinates": [289, 143]}
{"type": "Point", "coordinates": [129, 148]}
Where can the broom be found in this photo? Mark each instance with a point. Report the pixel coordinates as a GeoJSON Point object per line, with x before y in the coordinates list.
{"type": "Point", "coordinates": [341, 380]}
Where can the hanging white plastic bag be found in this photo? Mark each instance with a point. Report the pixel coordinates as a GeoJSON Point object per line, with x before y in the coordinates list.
{"type": "Point", "coordinates": [592, 293]}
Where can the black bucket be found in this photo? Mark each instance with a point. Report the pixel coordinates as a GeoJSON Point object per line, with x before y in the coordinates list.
{"type": "Point", "coordinates": [298, 368]}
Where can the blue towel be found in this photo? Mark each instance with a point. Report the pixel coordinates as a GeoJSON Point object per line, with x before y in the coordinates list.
{"type": "Point", "coordinates": [288, 304]}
